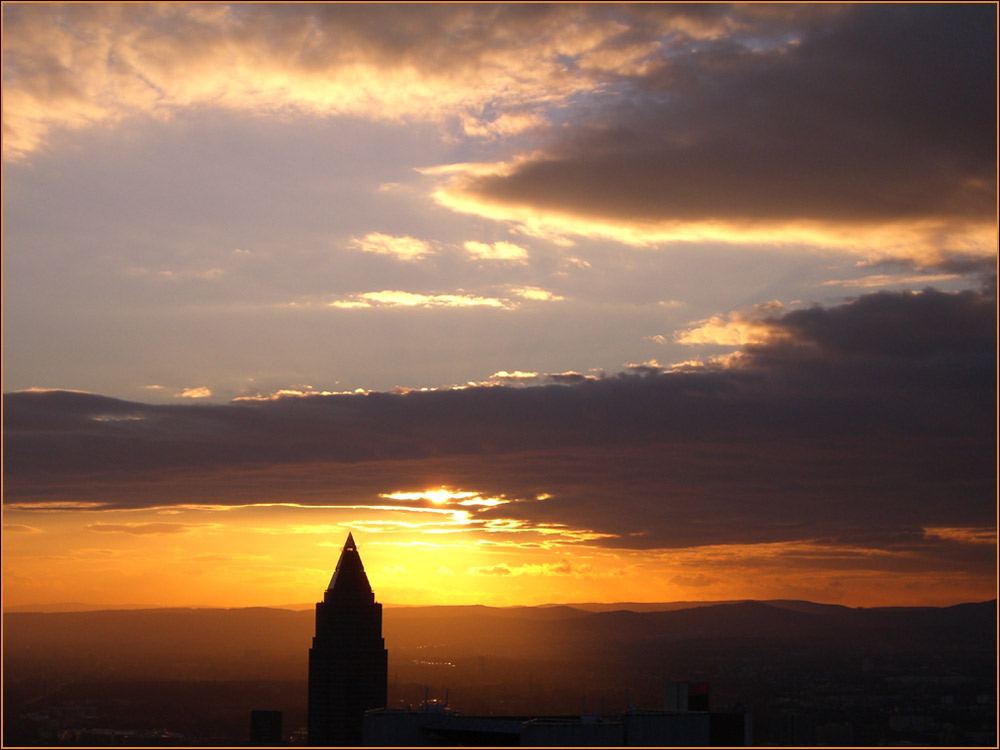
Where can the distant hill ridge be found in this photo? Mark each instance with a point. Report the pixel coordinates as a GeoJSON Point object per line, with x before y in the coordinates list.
{"type": "Point", "coordinates": [262, 641]}
{"type": "Point", "coordinates": [795, 604]}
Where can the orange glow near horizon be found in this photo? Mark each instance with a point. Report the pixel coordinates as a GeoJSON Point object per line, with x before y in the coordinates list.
{"type": "Point", "coordinates": [280, 555]}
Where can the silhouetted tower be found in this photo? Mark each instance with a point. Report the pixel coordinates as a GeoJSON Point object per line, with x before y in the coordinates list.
{"type": "Point", "coordinates": [348, 663]}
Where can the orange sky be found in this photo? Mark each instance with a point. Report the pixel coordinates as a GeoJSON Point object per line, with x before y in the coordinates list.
{"type": "Point", "coordinates": [275, 555]}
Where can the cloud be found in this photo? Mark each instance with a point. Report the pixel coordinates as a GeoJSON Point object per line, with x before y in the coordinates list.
{"type": "Point", "coordinates": [198, 392]}
{"type": "Point", "coordinates": [736, 329]}
{"type": "Point", "coordinates": [519, 378]}
{"type": "Point", "coordinates": [18, 528]}
{"type": "Point", "coordinates": [496, 570]}
{"type": "Point", "coordinates": [884, 279]}
{"type": "Point", "coordinates": [387, 298]}
{"type": "Point", "coordinates": [396, 298]}
{"type": "Point", "coordinates": [562, 568]}
{"type": "Point", "coordinates": [404, 248]}
{"type": "Point", "coordinates": [965, 535]}
{"type": "Point", "coordinates": [503, 124]}
{"type": "Point", "coordinates": [203, 274]}
{"type": "Point", "coordinates": [535, 294]}
{"type": "Point", "coordinates": [948, 265]}
{"type": "Point", "coordinates": [864, 425]}
{"type": "Point", "coordinates": [495, 70]}
{"type": "Point", "coordinates": [507, 251]}
{"type": "Point", "coordinates": [694, 581]}
{"type": "Point", "coordinates": [143, 529]}
{"type": "Point", "coordinates": [873, 133]}
{"type": "Point", "coordinates": [866, 128]}
{"type": "Point", "coordinates": [294, 392]}
{"type": "Point", "coordinates": [908, 326]}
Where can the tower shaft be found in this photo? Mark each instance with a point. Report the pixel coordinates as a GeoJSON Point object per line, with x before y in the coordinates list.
{"type": "Point", "coordinates": [348, 662]}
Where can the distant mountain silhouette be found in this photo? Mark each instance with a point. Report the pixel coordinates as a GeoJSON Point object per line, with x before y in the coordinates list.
{"type": "Point", "coordinates": [644, 606]}
{"type": "Point", "coordinates": [266, 642]}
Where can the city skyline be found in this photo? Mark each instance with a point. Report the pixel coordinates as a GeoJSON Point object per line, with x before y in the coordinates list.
{"type": "Point", "coordinates": [544, 303]}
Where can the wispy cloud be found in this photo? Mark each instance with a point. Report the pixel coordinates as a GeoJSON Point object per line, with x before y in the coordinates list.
{"type": "Point", "coordinates": [404, 247]}
{"type": "Point", "coordinates": [142, 529]}
{"type": "Point", "coordinates": [396, 298]}
{"type": "Point", "coordinates": [874, 281]}
{"type": "Point", "coordinates": [511, 298]}
{"type": "Point", "coordinates": [561, 568]}
{"type": "Point", "coordinates": [19, 528]}
{"type": "Point", "coordinates": [965, 535]}
{"type": "Point", "coordinates": [535, 294]}
{"type": "Point", "coordinates": [504, 251]}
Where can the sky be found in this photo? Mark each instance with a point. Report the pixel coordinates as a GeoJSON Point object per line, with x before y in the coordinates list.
{"type": "Point", "coordinates": [545, 303]}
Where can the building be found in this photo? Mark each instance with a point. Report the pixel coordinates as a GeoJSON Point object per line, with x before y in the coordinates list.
{"type": "Point", "coordinates": [432, 728]}
{"type": "Point", "coordinates": [265, 728]}
{"type": "Point", "coordinates": [433, 725]}
{"type": "Point", "coordinates": [348, 662]}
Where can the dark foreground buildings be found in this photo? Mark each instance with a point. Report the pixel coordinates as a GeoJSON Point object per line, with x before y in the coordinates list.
{"type": "Point", "coordinates": [682, 723]}
{"type": "Point", "coordinates": [348, 663]}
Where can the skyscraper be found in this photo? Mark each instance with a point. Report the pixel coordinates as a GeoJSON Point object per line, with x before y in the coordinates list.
{"type": "Point", "coordinates": [348, 662]}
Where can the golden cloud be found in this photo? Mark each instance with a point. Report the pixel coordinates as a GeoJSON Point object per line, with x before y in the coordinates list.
{"type": "Point", "coordinates": [562, 568]}
{"type": "Point", "coordinates": [395, 298]}
{"type": "Point", "coordinates": [198, 392]}
{"type": "Point", "coordinates": [495, 70]}
{"type": "Point", "coordinates": [873, 281]}
{"type": "Point", "coordinates": [927, 240]}
{"type": "Point", "coordinates": [404, 247]}
{"type": "Point", "coordinates": [496, 251]}
{"type": "Point", "coordinates": [736, 329]}
{"type": "Point", "coordinates": [149, 528]}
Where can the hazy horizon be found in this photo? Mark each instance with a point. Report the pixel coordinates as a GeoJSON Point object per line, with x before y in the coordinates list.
{"type": "Point", "coordinates": [592, 606]}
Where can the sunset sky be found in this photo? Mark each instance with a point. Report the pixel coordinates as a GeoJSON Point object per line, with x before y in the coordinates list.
{"type": "Point", "coordinates": [545, 303]}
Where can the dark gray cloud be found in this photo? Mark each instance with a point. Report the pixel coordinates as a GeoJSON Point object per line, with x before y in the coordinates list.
{"type": "Point", "coordinates": [863, 423]}
{"type": "Point", "coordinates": [886, 113]}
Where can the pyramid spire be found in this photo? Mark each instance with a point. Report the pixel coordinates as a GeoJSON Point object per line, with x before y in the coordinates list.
{"type": "Point", "coordinates": [349, 579]}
